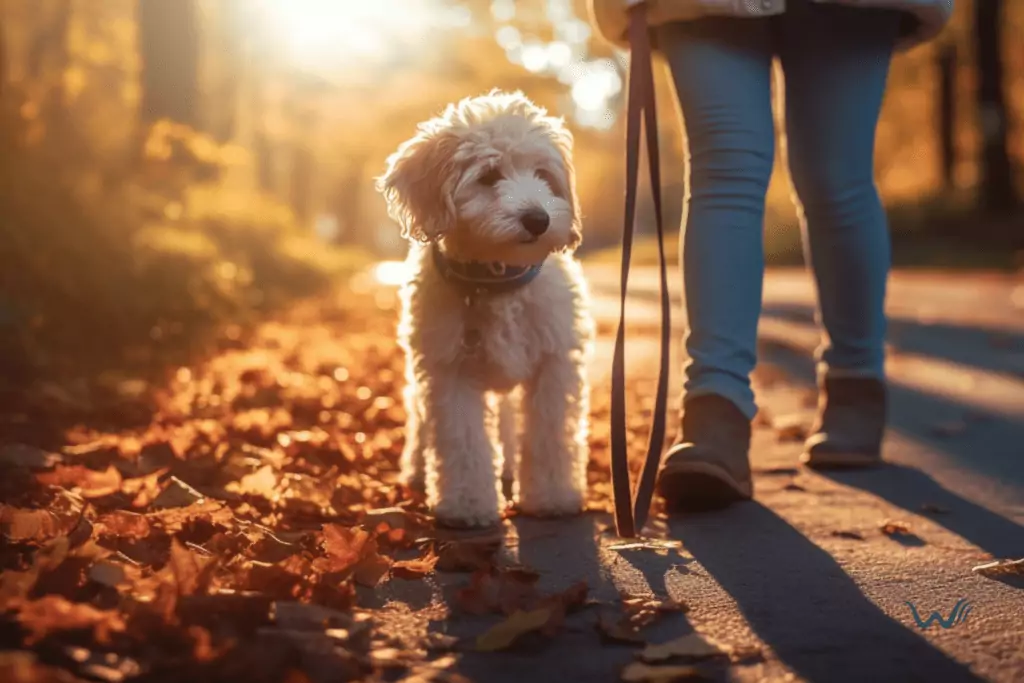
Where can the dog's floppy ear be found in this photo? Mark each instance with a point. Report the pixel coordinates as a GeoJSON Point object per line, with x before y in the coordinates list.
{"type": "Point", "coordinates": [562, 137]}
{"type": "Point", "coordinates": [419, 184]}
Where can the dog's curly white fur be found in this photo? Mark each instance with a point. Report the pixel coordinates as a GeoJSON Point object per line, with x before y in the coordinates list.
{"type": "Point", "coordinates": [466, 181]}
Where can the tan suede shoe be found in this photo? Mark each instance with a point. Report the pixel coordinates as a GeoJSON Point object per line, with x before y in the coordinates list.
{"type": "Point", "coordinates": [709, 468]}
{"type": "Point", "coordinates": [850, 425]}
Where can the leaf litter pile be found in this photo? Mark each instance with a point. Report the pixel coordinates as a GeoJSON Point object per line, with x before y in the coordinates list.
{"type": "Point", "coordinates": [234, 536]}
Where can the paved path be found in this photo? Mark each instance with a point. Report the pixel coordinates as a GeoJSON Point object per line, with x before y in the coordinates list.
{"type": "Point", "coordinates": [804, 572]}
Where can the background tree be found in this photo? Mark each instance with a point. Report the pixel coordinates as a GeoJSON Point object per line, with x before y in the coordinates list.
{"type": "Point", "coordinates": [997, 189]}
{"type": "Point", "coordinates": [169, 46]}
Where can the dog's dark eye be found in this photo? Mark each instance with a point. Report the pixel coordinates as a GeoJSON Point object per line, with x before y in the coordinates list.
{"type": "Point", "coordinates": [491, 178]}
{"type": "Point", "coordinates": [552, 182]}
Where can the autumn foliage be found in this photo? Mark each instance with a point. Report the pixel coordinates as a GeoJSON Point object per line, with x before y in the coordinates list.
{"type": "Point", "coordinates": [241, 532]}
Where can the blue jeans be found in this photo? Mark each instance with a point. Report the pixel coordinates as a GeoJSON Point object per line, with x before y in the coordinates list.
{"type": "Point", "coordinates": [836, 61]}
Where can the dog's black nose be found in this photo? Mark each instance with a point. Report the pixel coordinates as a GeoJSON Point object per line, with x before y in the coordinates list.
{"type": "Point", "coordinates": [536, 221]}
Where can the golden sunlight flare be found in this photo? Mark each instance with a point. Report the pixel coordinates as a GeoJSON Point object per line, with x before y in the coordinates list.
{"type": "Point", "coordinates": [392, 273]}
{"type": "Point", "coordinates": [326, 34]}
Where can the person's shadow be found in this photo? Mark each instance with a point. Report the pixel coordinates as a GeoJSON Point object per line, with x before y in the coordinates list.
{"type": "Point", "coordinates": [916, 492]}
{"type": "Point", "coordinates": [802, 604]}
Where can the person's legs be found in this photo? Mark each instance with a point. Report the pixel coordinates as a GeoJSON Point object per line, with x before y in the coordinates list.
{"type": "Point", "coordinates": [722, 73]}
{"type": "Point", "coordinates": [836, 61]}
{"type": "Point", "coordinates": [721, 68]}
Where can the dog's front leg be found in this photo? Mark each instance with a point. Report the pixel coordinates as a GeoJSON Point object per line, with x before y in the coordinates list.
{"type": "Point", "coordinates": [553, 470]}
{"type": "Point", "coordinates": [462, 485]}
{"type": "Point", "coordinates": [412, 462]}
{"type": "Point", "coordinates": [508, 437]}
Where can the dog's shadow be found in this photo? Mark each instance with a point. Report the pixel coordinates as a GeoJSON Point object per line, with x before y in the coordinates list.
{"type": "Point", "coordinates": [564, 552]}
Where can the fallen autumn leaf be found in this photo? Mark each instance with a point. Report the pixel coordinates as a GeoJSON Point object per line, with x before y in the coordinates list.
{"type": "Point", "coordinates": [505, 633]}
{"type": "Point", "coordinates": [638, 672]}
{"type": "Point", "coordinates": [1000, 568]}
{"type": "Point", "coordinates": [691, 646]}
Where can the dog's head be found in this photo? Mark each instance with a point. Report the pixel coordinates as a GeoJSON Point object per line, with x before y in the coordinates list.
{"type": "Point", "coordinates": [492, 176]}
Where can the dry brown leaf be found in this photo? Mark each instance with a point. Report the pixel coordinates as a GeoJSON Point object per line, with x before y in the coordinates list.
{"type": "Point", "coordinates": [573, 597]}
{"type": "Point", "coordinates": [21, 525]}
{"type": "Point", "coordinates": [262, 482]}
{"type": "Point", "coordinates": [145, 489]}
{"type": "Point", "coordinates": [177, 494]}
{"type": "Point", "coordinates": [192, 572]}
{"type": "Point", "coordinates": [1001, 568]}
{"type": "Point", "coordinates": [414, 569]}
{"type": "Point", "coordinates": [519, 623]}
{"type": "Point", "coordinates": [494, 591]}
{"type": "Point", "coordinates": [396, 518]}
{"type": "Point", "coordinates": [894, 528]}
{"type": "Point", "coordinates": [642, 611]}
{"type": "Point", "coordinates": [55, 613]}
{"type": "Point", "coordinates": [352, 550]}
{"type": "Point", "coordinates": [107, 574]}
{"type": "Point", "coordinates": [51, 555]}
{"type": "Point", "coordinates": [15, 585]}
{"type": "Point", "coordinates": [655, 544]}
{"type": "Point", "coordinates": [174, 519]}
{"type": "Point", "coordinates": [24, 667]}
{"type": "Point", "coordinates": [618, 629]}
{"type": "Point", "coordinates": [638, 672]}
{"type": "Point", "coordinates": [89, 483]}
{"type": "Point", "coordinates": [123, 524]}
{"type": "Point", "coordinates": [343, 546]}
{"type": "Point", "coordinates": [456, 556]}
{"type": "Point", "coordinates": [690, 646]}
{"type": "Point", "coordinates": [21, 455]}
{"type": "Point", "coordinates": [371, 569]}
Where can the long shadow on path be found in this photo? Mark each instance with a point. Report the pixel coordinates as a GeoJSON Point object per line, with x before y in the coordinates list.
{"type": "Point", "coordinates": [802, 604]}
{"type": "Point", "coordinates": [985, 348]}
{"type": "Point", "coordinates": [990, 447]}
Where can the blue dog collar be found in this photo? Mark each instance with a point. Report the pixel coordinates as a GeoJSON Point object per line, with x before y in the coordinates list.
{"type": "Point", "coordinates": [483, 277]}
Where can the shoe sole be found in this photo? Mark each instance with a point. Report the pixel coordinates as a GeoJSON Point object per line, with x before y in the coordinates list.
{"type": "Point", "coordinates": [840, 460]}
{"type": "Point", "coordinates": [700, 487]}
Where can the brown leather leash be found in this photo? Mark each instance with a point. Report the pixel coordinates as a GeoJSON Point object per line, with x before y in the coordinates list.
{"type": "Point", "coordinates": [633, 505]}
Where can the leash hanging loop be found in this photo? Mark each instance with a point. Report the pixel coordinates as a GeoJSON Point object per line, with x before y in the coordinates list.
{"type": "Point", "coordinates": [632, 505]}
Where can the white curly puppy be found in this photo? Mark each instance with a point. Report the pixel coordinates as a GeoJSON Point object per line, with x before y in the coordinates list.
{"type": "Point", "coordinates": [486, 194]}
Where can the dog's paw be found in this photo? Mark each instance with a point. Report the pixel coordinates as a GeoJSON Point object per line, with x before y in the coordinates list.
{"type": "Point", "coordinates": [456, 517]}
{"type": "Point", "coordinates": [564, 504]}
{"type": "Point", "coordinates": [464, 522]}
{"type": "Point", "coordinates": [416, 484]}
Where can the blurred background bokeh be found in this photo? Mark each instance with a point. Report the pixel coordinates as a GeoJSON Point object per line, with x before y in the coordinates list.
{"type": "Point", "coordinates": [171, 164]}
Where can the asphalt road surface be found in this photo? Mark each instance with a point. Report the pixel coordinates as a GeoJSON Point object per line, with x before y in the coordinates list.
{"type": "Point", "coordinates": [805, 573]}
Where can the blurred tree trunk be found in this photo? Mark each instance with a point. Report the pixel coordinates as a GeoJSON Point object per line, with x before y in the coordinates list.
{"type": "Point", "coordinates": [348, 203]}
{"type": "Point", "coordinates": [46, 62]}
{"type": "Point", "coordinates": [3, 53]}
{"type": "Point", "coordinates": [997, 191]}
{"type": "Point", "coordinates": [946, 63]}
{"type": "Point", "coordinates": [169, 46]}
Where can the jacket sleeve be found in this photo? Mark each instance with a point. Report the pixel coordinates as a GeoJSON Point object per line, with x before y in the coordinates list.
{"type": "Point", "coordinates": [610, 19]}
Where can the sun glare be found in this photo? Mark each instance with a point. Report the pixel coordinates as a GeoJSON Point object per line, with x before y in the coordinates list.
{"type": "Point", "coordinates": [331, 34]}
{"type": "Point", "coordinates": [392, 273]}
